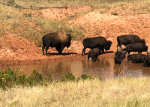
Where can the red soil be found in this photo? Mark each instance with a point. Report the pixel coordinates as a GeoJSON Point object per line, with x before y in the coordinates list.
{"type": "Point", "coordinates": [17, 50]}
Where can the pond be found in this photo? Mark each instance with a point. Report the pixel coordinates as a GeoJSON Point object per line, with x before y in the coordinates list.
{"type": "Point", "coordinates": [104, 68]}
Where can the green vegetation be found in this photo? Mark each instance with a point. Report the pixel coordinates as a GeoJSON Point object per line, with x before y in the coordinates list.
{"type": "Point", "coordinates": [9, 78]}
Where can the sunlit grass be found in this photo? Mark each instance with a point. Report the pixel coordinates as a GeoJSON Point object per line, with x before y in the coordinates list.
{"type": "Point", "coordinates": [124, 92]}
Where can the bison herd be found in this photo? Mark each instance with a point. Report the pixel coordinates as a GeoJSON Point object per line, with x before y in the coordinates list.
{"type": "Point", "coordinates": [132, 43]}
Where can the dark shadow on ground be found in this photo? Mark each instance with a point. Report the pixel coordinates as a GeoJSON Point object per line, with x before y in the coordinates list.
{"type": "Point", "coordinates": [108, 52]}
{"type": "Point", "coordinates": [69, 53]}
{"type": "Point", "coordinates": [103, 53]}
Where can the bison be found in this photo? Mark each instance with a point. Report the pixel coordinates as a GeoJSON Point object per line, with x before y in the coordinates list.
{"type": "Point", "coordinates": [129, 39]}
{"type": "Point", "coordinates": [119, 56]}
{"type": "Point", "coordinates": [137, 58]}
{"type": "Point", "coordinates": [146, 63]}
{"type": "Point", "coordinates": [59, 40]}
{"type": "Point", "coordinates": [136, 47]}
{"type": "Point", "coordinates": [96, 42]}
{"type": "Point", "coordinates": [94, 53]}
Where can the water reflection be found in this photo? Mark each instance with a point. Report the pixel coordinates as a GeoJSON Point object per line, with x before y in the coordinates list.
{"type": "Point", "coordinates": [104, 68]}
{"type": "Point", "coordinates": [131, 70]}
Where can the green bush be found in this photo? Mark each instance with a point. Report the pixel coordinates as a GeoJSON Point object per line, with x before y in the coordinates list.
{"type": "Point", "coordinates": [68, 77]}
{"type": "Point", "coordinates": [35, 78]}
{"type": "Point", "coordinates": [9, 78]}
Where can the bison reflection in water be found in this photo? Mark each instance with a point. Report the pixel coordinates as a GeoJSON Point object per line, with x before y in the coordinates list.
{"type": "Point", "coordinates": [59, 40]}
{"type": "Point", "coordinates": [131, 70]}
{"type": "Point", "coordinates": [101, 69]}
{"type": "Point", "coordinates": [147, 62]}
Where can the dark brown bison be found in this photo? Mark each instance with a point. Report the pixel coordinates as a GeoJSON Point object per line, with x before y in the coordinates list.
{"type": "Point", "coordinates": [128, 39]}
{"type": "Point", "coordinates": [137, 58]}
{"type": "Point", "coordinates": [136, 47]}
{"type": "Point", "coordinates": [119, 56]}
{"type": "Point", "coordinates": [94, 53]}
{"type": "Point", "coordinates": [146, 63]}
{"type": "Point", "coordinates": [96, 42]}
{"type": "Point", "coordinates": [59, 40]}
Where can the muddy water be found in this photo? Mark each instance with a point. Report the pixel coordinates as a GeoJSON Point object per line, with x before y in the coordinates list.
{"type": "Point", "coordinates": [104, 68]}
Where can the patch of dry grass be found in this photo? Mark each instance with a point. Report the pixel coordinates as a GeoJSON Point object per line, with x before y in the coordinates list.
{"type": "Point", "coordinates": [124, 92]}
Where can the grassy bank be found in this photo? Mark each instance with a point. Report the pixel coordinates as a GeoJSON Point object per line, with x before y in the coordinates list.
{"type": "Point", "coordinates": [124, 92]}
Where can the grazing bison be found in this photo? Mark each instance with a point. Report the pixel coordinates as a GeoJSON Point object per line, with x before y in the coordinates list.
{"type": "Point", "coordinates": [128, 39]}
{"type": "Point", "coordinates": [96, 42]}
{"type": "Point", "coordinates": [137, 58]}
{"type": "Point", "coordinates": [119, 56]}
{"type": "Point", "coordinates": [59, 40]}
{"type": "Point", "coordinates": [94, 53]}
{"type": "Point", "coordinates": [136, 47]}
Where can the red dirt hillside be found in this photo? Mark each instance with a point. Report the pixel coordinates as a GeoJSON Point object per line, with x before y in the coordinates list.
{"type": "Point", "coordinates": [17, 50]}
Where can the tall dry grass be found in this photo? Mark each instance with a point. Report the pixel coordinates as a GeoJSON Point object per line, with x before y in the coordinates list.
{"type": "Point", "coordinates": [124, 92]}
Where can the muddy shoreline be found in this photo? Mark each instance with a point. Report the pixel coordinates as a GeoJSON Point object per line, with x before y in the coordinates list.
{"type": "Point", "coordinates": [49, 59]}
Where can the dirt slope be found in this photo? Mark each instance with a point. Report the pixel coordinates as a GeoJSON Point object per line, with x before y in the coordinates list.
{"type": "Point", "coordinates": [17, 50]}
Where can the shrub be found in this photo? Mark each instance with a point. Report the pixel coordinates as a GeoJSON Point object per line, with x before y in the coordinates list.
{"type": "Point", "coordinates": [35, 78]}
{"type": "Point", "coordinates": [68, 77]}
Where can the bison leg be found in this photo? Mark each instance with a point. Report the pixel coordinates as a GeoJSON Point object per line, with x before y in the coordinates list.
{"type": "Point", "coordinates": [139, 52]}
{"type": "Point", "coordinates": [43, 47]}
{"type": "Point", "coordinates": [88, 57]}
{"type": "Point", "coordinates": [83, 51]}
{"type": "Point", "coordinates": [128, 52]}
{"type": "Point", "coordinates": [93, 59]}
{"type": "Point", "coordinates": [97, 59]}
{"type": "Point", "coordinates": [60, 49]}
{"type": "Point", "coordinates": [119, 45]}
{"type": "Point", "coordinates": [102, 50]}
{"type": "Point", "coordinates": [47, 48]}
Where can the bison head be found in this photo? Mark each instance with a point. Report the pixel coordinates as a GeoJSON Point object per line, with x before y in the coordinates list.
{"type": "Point", "coordinates": [108, 45]}
{"type": "Point", "coordinates": [69, 40]}
{"type": "Point", "coordinates": [142, 41]}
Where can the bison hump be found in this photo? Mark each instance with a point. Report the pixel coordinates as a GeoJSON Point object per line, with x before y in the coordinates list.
{"type": "Point", "coordinates": [62, 36]}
